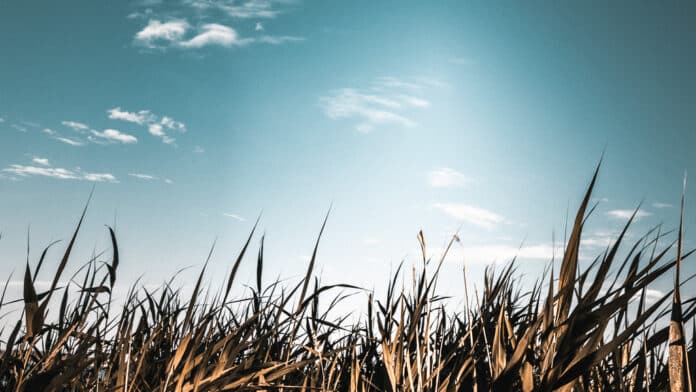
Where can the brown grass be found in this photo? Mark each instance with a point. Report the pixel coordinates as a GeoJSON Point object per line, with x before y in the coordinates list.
{"type": "Point", "coordinates": [569, 332]}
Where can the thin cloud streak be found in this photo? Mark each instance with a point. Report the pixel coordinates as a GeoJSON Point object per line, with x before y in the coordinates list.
{"type": "Point", "coordinates": [383, 104]}
{"type": "Point", "coordinates": [626, 214]}
{"type": "Point", "coordinates": [474, 215]}
{"type": "Point", "coordinates": [58, 173]}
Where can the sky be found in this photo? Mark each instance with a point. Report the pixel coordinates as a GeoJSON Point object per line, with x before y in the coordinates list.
{"type": "Point", "coordinates": [191, 118]}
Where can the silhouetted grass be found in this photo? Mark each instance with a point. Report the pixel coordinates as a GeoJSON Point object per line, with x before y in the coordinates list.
{"type": "Point", "coordinates": [580, 330]}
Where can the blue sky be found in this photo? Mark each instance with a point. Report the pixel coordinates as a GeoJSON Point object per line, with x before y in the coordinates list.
{"type": "Point", "coordinates": [193, 117]}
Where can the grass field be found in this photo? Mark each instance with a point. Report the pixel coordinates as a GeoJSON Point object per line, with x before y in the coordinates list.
{"type": "Point", "coordinates": [576, 329]}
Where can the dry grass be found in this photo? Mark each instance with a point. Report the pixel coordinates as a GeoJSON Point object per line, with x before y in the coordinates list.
{"type": "Point", "coordinates": [589, 329]}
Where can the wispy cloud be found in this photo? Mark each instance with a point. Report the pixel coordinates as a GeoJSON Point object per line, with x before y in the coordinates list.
{"type": "Point", "coordinates": [256, 9]}
{"type": "Point", "coordinates": [41, 161]}
{"type": "Point", "coordinates": [58, 173]}
{"type": "Point", "coordinates": [625, 214]}
{"type": "Point", "coordinates": [156, 125]}
{"type": "Point", "coordinates": [113, 135]}
{"type": "Point", "coordinates": [471, 214]}
{"type": "Point", "coordinates": [662, 205]}
{"type": "Point", "coordinates": [198, 150]}
{"type": "Point", "coordinates": [76, 126]}
{"type": "Point", "coordinates": [234, 216]}
{"type": "Point", "coordinates": [446, 177]}
{"type": "Point", "coordinates": [385, 102]}
{"type": "Point", "coordinates": [70, 141]}
{"type": "Point", "coordinates": [149, 177]}
{"type": "Point", "coordinates": [2, 120]}
{"type": "Point", "coordinates": [141, 176]}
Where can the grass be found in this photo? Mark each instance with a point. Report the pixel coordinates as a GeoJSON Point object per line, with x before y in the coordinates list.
{"type": "Point", "coordinates": [582, 329]}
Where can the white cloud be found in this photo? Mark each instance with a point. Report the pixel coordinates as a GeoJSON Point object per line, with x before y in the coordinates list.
{"type": "Point", "coordinates": [114, 135]}
{"type": "Point", "coordinates": [140, 118]}
{"type": "Point", "coordinates": [210, 25]}
{"type": "Point", "coordinates": [141, 176]}
{"type": "Point", "coordinates": [446, 177]}
{"type": "Point", "coordinates": [149, 177]}
{"type": "Point", "coordinates": [261, 9]}
{"type": "Point", "coordinates": [662, 205]}
{"type": "Point", "coordinates": [156, 126]}
{"type": "Point", "coordinates": [234, 216]}
{"type": "Point", "coordinates": [99, 177]}
{"type": "Point", "coordinates": [157, 32]}
{"type": "Point", "coordinates": [76, 126]}
{"type": "Point", "coordinates": [170, 123]}
{"type": "Point", "coordinates": [58, 173]}
{"type": "Point", "coordinates": [382, 104]}
{"type": "Point", "coordinates": [48, 131]}
{"type": "Point", "coordinates": [467, 213]}
{"type": "Point", "coordinates": [625, 214]}
{"type": "Point", "coordinates": [156, 130]}
{"type": "Point", "coordinates": [198, 150]}
{"type": "Point", "coordinates": [40, 161]}
{"type": "Point", "coordinates": [70, 141]}
{"type": "Point", "coordinates": [213, 34]}
{"type": "Point", "coordinates": [276, 40]}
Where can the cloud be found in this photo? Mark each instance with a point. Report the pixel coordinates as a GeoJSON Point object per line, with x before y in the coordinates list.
{"type": "Point", "coordinates": [41, 161]}
{"type": "Point", "coordinates": [662, 205]}
{"type": "Point", "coordinates": [275, 40]}
{"type": "Point", "coordinates": [446, 177]}
{"type": "Point", "coordinates": [156, 126]}
{"type": "Point", "coordinates": [625, 214]}
{"type": "Point", "coordinates": [172, 124]}
{"type": "Point", "coordinates": [141, 176]}
{"type": "Point", "coordinates": [156, 32]}
{"type": "Point", "coordinates": [471, 214]}
{"type": "Point", "coordinates": [140, 118]}
{"type": "Point", "coordinates": [2, 120]}
{"type": "Point", "coordinates": [99, 177]}
{"type": "Point", "coordinates": [113, 135]}
{"type": "Point", "coordinates": [234, 216]}
{"type": "Point", "coordinates": [70, 141]}
{"type": "Point", "coordinates": [76, 126]}
{"type": "Point", "coordinates": [261, 9]}
{"type": "Point", "coordinates": [58, 173]}
{"type": "Point", "coordinates": [149, 177]}
{"type": "Point", "coordinates": [48, 131]}
{"type": "Point", "coordinates": [198, 150]}
{"type": "Point", "coordinates": [213, 34]}
{"type": "Point", "coordinates": [212, 23]}
{"type": "Point", "coordinates": [382, 104]}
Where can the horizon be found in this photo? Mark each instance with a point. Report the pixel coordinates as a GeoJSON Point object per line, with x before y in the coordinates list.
{"type": "Point", "coordinates": [193, 118]}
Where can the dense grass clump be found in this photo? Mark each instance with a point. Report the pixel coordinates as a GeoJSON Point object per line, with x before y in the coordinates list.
{"type": "Point", "coordinates": [590, 329]}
